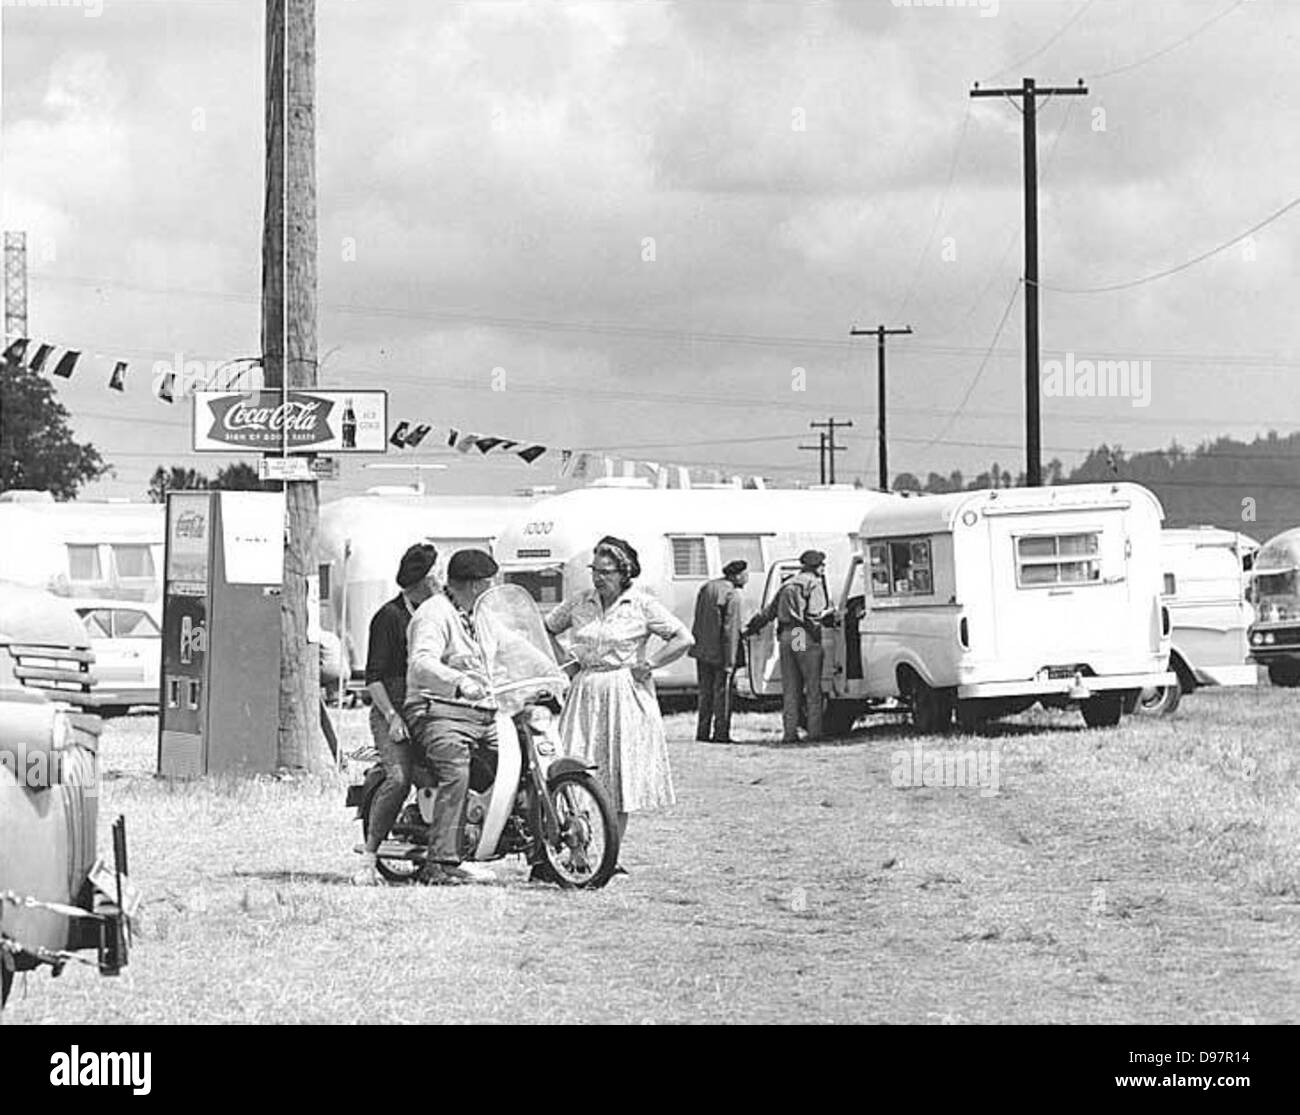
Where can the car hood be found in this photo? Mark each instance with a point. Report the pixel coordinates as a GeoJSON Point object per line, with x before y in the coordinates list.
{"type": "Point", "coordinates": [28, 615]}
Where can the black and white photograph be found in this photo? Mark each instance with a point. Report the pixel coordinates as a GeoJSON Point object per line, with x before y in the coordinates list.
{"type": "Point", "coordinates": [651, 512]}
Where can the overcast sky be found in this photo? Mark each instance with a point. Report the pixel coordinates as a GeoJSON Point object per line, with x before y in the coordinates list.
{"type": "Point", "coordinates": [649, 215]}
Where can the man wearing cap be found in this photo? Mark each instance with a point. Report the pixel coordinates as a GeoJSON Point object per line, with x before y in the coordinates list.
{"type": "Point", "coordinates": [386, 685]}
{"type": "Point", "coordinates": [800, 609]}
{"type": "Point", "coordinates": [449, 706]}
{"type": "Point", "coordinates": [717, 642]}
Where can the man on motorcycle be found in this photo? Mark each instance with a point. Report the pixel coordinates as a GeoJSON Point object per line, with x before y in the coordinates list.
{"type": "Point", "coordinates": [386, 684]}
{"type": "Point", "coordinates": [450, 709]}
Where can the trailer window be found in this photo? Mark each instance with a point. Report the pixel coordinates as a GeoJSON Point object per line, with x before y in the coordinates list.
{"type": "Point", "coordinates": [689, 560]}
{"type": "Point", "coordinates": [741, 547]}
{"type": "Point", "coordinates": [901, 568]}
{"type": "Point", "coordinates": [83, 563]}
{"type": "Point", "coordinates": [133, 561]}
{"type": "Point", "coordinates": [546, 586]}
{"type": "Point", "coordinates": [1058, 559]}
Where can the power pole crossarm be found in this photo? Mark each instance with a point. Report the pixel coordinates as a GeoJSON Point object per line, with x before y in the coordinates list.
{"type": "Point", "coordinates": [831, 425]}
{"type": "Point", "coordinates": [1029, 92]}
{"type": "Point", "coordinates": [881, 332]}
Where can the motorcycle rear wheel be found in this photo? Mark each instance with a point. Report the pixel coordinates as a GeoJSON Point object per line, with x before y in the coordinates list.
{"type": "Point", "coordinates": [586, 853]}
{"type": "Point", "coordinates": [394, 870]}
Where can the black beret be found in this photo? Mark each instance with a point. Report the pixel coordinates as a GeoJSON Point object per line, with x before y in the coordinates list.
{"type": "Point", "coordinates": [734, 567]}
{"type": "Point", "coordinates": [812, 559]}
{"type": "Point", "coordinates": [416, 563]}
{"type": "Point", "coordinates": [471, 565]}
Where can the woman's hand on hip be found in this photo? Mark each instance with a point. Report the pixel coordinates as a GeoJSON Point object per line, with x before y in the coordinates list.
{"type": "Point", "coordinates": [642, 672]}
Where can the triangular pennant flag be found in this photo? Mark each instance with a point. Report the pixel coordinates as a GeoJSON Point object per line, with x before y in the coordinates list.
{"type": "Point", "coordinates": [42, 355]}
{"type": "Point", "coordinates": [165, 387]}
{"type": "Point", "coordinates": [566, 459]}
{"type": "Point", "coordinates": [452, 435]}
{"type": "Point", "coordinates": [398, 436]}
{"type": "Point", "coordinates": [466, 442]}
{"type": "Point", "coordinates": [531, 454]}
{"type": "Point", "coordinates": [417, 435]}
{"type": "Point", "coordinates": [487, 444]}
{"type": "Point", "coordinates": [16, 351]}
{"type": "Point", "coordinates": [117, 381]}
{"type": "Point", "coordinates": [67, 362]}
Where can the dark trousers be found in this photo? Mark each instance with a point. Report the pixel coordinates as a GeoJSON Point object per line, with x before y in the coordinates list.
{"type": "Point", "coordinates": [388, 799]}
{"type": "Point", "coordinates": [446, 735]}
{"type": "Point", "coordinates": [801, 683]}
{"type": "Point", "coordinates": [715, 701]}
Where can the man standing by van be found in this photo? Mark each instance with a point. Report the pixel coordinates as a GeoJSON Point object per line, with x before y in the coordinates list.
{"type": "Point", "coordinates": [717, 643]}
{"type": "Point", "coordinates": [799, 608]}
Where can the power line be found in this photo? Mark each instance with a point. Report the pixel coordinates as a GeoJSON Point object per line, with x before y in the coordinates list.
{"type": "Point", "coordinates": [1172, 46]}
{"type": "Point", "coordinates": [1078, 15]}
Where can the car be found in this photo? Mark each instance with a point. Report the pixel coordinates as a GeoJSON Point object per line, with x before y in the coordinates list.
{"type": "Point", "coordinates": [126, 636]}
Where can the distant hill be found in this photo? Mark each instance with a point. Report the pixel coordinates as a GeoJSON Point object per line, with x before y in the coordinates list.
{"type": "Point", "coordinates": [1254, 488]}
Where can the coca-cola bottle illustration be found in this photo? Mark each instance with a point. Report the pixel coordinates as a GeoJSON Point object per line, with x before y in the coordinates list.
{"type": "Point", "coordinates": [349, 426]}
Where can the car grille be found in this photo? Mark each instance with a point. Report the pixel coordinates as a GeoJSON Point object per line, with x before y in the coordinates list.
{"type": "Point", "coordinates": [63, 673]}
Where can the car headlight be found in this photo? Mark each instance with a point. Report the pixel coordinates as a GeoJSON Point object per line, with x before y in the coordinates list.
{"type": "Point", "coordinates": [1268, 638]}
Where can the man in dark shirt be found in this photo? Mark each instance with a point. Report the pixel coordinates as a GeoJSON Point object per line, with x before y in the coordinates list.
{"type": "Point", "coordinates": [717, 641]}
{"type": "Point", "coordinates": [386, 684]}
{"type": "Point", "coordinates": [800, 609]}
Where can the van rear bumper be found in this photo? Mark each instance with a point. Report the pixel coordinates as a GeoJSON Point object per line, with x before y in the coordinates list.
{"type": "Point", "coordinates": [1078, 686]}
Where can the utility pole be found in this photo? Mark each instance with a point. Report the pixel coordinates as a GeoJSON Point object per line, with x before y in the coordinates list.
{"type": "Point", "coordinates": [831, 448]}
{"type": "Point", "coordinates": [881, 333]}
{"type": "Point", "coordinates": [15, 286]}
{"type": "Point", "coordinates": [820, 449]}
{"type": "Point", "coordinates": [289, 343]}
{"type": "Point", "coordinates": [1029, 93]}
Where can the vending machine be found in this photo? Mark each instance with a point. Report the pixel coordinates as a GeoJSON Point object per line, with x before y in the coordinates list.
{"type": "Point", "coordinates": [220, 683]}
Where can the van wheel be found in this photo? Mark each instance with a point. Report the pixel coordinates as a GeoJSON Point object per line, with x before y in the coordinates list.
{"type": "Point", "coordinates": [839, 717]}
{"type": "Point", "coordinates": [1103, 710]}
{"type": "Point", "coordinates": [1160, 700]}
{"type": "Point", "coordinates": [931, 708]}
{"type": "Point", "coordinates": [973, 714]}
{"type": "Point", "coordinates": [1284, 673]}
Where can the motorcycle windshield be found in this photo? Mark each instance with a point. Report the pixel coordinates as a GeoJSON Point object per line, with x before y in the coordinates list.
{"type": "Point", "coordinates": [520, 661]}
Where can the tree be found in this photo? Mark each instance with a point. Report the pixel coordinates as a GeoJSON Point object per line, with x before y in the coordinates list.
{"type": "Point", "coordinates": [240, 477]}
{"type": "Point", "coordinates": [906, 482]}
{"type": "Point", "coordinates": [178, 478]}
{"type": "Point", "coordinates": [37, 449]}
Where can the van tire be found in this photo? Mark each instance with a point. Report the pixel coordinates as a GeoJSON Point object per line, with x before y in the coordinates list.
{"type": "Point", "coordinates": [1286, 674]}
{"type": "Point", "coordinates": [932, 709]}
{"type": "Point", "coordinates": [973, 714]}
{"type": "Point", "coordinates": [838, 717]}
{"type": "Point", "coordinates": [1104, 709]}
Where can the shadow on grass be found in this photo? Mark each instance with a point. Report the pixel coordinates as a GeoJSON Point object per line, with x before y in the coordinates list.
{"type": "Point", "coordinates": [326, 878]}
{"type": "Point", "coordinates": [900, 730]}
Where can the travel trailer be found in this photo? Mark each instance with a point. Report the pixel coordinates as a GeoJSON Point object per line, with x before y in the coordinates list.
{"type": "Point", "coordinates": [361, 542]}
{"type": "Point", "coordinates": [980, 604]}
{"type": "Point", "coordinates": [683, 537]}
{"type": "Point", "coordinates": [1205, 583]}
{"type": "Point", "coordinates": [84, 547]}
{"type": "Point", "coordinates": [1275, 592]}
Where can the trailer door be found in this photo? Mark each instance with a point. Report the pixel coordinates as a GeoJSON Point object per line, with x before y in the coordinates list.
{"type": "Point", "coordinates": [762, 655]}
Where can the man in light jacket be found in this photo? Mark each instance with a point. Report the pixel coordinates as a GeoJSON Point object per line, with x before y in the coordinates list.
{"type": "Point", "coordinates": [450, 709]}
{"type": "Point", "coordinates": [716, 650]}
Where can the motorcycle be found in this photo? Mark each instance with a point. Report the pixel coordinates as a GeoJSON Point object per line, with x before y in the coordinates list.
{"type": "Point", "coordinates": [552, 810]}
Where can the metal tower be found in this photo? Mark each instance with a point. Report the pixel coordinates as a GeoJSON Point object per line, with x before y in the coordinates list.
{"type": "Point", "coordinates": [15, 285]}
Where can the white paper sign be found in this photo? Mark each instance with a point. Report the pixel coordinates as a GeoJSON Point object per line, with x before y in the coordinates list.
{"type": "Point", "coordinates": [253, 537]}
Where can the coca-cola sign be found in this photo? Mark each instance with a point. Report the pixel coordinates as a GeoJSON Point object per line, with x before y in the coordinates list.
{"type": "Point", "coordinates": [302, 421]}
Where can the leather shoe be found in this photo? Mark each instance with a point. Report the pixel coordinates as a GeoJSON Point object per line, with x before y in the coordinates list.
{"type": "Point", "coordinates": [440, 875]}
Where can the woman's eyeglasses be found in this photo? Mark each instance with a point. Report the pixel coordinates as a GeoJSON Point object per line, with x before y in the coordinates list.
{"type": "Point", "coordinates": [603, 571]}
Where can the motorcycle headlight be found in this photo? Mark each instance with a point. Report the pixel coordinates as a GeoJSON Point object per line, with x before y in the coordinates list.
{"type": "Point", "coordinates": [540, 718]}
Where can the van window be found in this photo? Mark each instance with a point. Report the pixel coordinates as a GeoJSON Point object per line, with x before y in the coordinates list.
{"type": "Point", "coordinates": [1058, 559]}
{"type": "Point", "coordinates": [743, 547]}
{"type": "Point", "coordinates": [83, 563]}
{"type": "Point", "coordinates": [901, 567]}
{"type": "Point", "coordinates": [689, 558]}
{"type": "Point", "coordinates": [99, 623]}
{"type": "Point", "coordinates": [133, 561]}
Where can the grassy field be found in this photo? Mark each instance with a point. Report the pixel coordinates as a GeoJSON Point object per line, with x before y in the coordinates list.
{"type": "Point", "coordinates": [1146, 874]}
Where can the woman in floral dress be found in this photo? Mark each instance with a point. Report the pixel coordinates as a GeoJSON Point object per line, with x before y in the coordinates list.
{"type": "Point", "coordinates": [611, 717]}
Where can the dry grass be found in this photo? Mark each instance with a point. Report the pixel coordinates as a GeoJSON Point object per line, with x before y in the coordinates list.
{"type": "Point", "coordinates": [1148, 874]}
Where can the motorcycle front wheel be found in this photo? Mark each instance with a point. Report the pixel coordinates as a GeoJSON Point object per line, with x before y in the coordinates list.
{"type": "Point", "coordinates": [585, 852]}
{"type": "Point", "coordinates": [394, 870]}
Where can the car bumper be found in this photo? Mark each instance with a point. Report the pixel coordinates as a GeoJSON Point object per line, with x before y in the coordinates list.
{"type": "Point", "coordinates": [1078, 687]}
{"type": "Point", "coordinates": [1245, 674]}
{"type": "Point", "coordinates": [104, 698]}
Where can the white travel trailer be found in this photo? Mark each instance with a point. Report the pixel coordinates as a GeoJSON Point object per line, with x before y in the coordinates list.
{"type": "Point", "coordinates": [107, 548]}
{"type": "Point", "coordinates": [982, 603]}
{"type": "Point", "coordinates": [683, 537]}
{"type": "Point", "coordinates": [1205, 581]}
{"type": "Point", "coordinates": [361, 542]}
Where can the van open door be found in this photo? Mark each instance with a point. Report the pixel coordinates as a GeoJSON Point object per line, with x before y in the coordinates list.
{"type": "Point", "coordinates": [762, 656]}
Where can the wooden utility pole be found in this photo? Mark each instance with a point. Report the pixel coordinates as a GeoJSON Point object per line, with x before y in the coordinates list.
{"type": "Point", "coordinates": [289, 343]}
{"type": "Point", "coordinates": [1029, 93]}
{"type": "Point", "coordinates": [831, 425]}
{"type": "Point", "coordinates": [820, 450]}
{"type": "Point", "coordinates": [881, 333]}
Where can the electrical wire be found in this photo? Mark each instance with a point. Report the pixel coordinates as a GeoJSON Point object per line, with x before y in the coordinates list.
{"type": "Point", "coordinates": [1172, 46]}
